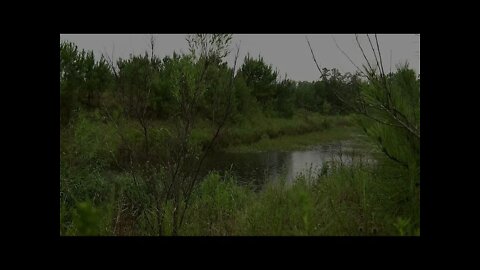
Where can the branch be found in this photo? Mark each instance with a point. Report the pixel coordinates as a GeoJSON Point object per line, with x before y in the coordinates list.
{"type": "Point", "coordinates": [110, 61]}
{"type": "Point", "coordinates": [384, 150]}
{"type": "Point", "coordinates": [407, 126]}
{"type": "Point", "coordinates": [363, 53]}
{"type": "Point", "coordinates": [390, 62]}
{"type": "Point", "coordinates": [313, 55]}
{"type": "Point", "coordinates": [379, 121]}
{"type": "Point", "coordinates": [374, 54]}
{"type": "Point", "coordinates": [152, 46]}
{"type": "Point", "coordinates": [379, 54]}
{"type": "Point", "coordinates": [349, 59]}
{"type": "Point", "coordinates": [212, 141]}
{"type": "Point", "coordinates": [382, 71]}
{"type": "Point", "coordinates": [341, 99]}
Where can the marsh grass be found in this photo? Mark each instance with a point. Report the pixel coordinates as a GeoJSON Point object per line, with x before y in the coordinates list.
{"type": "Point", "coordinates": [299, 141]}
{"type": "Point", "coordinates": [356, 200]}
{"type": "Point", "coordinates": [339, 198]}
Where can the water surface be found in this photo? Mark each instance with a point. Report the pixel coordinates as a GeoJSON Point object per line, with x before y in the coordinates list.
{"type": "Point", "coordinates": [258, 167]}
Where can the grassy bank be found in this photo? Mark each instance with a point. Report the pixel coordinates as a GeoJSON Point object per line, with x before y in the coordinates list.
{"type": "Point", "coordinates": [92, 141]}
{"type": "Point", "coordinates": [296, 142]}
{"type": "Point", "coordinates": [97, 199]}
{"type": "Point", "coordinates": [358, 200]}
{"type": "Point", "coordinates": [268, 133]}
{"type": "Point", "coordinates": [348, 201]}
{"type": "Point", "coordinates": [265, 129]}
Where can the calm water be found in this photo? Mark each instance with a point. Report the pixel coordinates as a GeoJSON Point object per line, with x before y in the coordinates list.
{"type": "Point", "coordinates": [265, 166]}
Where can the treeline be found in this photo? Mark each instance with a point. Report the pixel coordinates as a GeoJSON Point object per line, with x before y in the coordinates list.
{"type": "Point", "coordinates": [147, 83]}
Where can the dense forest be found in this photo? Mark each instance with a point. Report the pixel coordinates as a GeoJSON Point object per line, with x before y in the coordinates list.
{"type": "Point", "coordinates": [135, 135]}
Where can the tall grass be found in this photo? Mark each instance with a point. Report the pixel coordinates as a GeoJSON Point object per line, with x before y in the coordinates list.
{"type": "Point", "coordinates": [354, 200]}
{"type": "Point", "coordinates": [261, 127]}
{"type": "Point", "coordinates": [97, 199]}
{"type": "Point", "coordinates": [358, 200]}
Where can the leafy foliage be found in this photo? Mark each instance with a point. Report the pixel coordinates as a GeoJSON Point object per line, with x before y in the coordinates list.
{"type": "Point", "coordinates": [134, 135]}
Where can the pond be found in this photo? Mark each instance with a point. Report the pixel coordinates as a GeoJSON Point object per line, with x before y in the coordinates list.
{"type": "Point", "coordinates": [259, 167]}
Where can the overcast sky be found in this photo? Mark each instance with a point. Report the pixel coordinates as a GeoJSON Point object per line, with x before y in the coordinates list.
{"type": "Point", "coordinates": [289, 53]}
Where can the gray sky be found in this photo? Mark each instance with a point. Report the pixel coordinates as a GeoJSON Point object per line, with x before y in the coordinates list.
{"type": "Point", "coordinates": [289, 53]}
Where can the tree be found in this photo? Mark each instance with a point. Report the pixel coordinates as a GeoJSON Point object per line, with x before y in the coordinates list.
{"type": "Point", "coordinates": [246, 104]}
{"type": "Point", "coordinates": [82, 80]}
{"type": "Point", "coordinates": [389, 112]}
{"type": "Point", "coordinates": [190, 85]}
{"type": "Point", "coordinates": [185, 79]}
{"type": "Point", "coordinates": [163, 99]}
{"type": "Point", "coordinates": [306, 96]}
{"type": "Point", "coordinates": [135, 90]}
{"type": "Point", "coordinates": [98, 79]}
{"type": "Point", "coordinates": [285, 98]}
{"type": "Point", "coordinates": [217, 78]}
{"type": "Point", "coordinates": [389, 101]}
{"type": "Point", "coordinates": [71, 79]}
{"type": "Point", "coordinates": [261, 78]}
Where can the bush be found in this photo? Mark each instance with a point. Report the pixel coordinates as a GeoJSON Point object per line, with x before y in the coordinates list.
{"type": "Point", "coordinates": [94, 142]}
{"type": "Point", "coordinates": [216, 204]}
{"type": "Point", "coordinates": [280, 210]}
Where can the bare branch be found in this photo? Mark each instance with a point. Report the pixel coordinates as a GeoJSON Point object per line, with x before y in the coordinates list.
{"type": "Point", "coordinates": [364, 56]}
{"type": "Point", "coordinates": [349, 59]}
{"type": "Point", "coordinates": [373, 50]}
{"type": "Point", "coordinates": [390, 62]}
{"type": "Point", "coordinates": [405, 125]}
{"type": "Point", "coordinates": [379, 54]}
{"type": "Point", "coordinates": [214, 138]}
{"type": "Point", "coordinates": [379, 121]}
{"type": "Point", "coordinates": [152, 47]}
{"type": "Point", "coordinates": [110, 61]}
{"type": "Point", "coordinates": [384, 150]}
{"type": "Point", "coordinates": [314, 58]}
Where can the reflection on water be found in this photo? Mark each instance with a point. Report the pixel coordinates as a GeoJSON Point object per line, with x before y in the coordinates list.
{"type": "Point", "coordinates": [257, 168]}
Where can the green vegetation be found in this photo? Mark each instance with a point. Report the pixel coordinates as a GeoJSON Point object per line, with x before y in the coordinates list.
{"type": "Point", "coordinates": [346, 201]}
{"type": "Point", "coordinates": [325, 129]}
{"type": "Point", "coordinates": [134, 135]}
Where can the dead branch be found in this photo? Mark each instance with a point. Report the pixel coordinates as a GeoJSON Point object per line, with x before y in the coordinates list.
{"type": "Point", "coordinates": [314, 58]}
{"type": "Point", "coordinates": [348, 57]}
